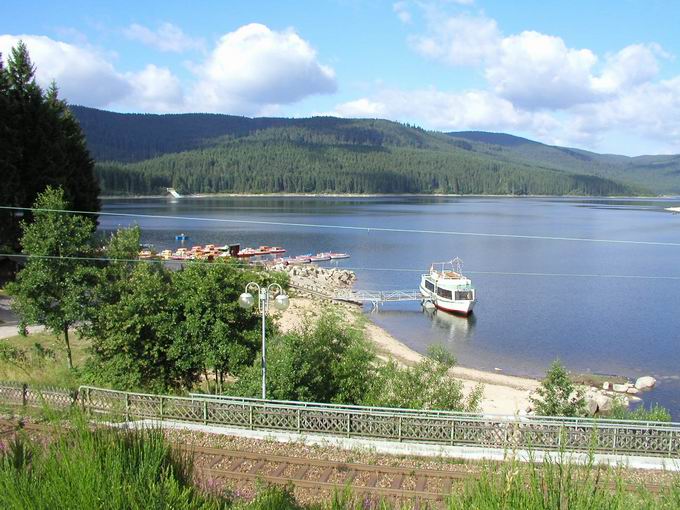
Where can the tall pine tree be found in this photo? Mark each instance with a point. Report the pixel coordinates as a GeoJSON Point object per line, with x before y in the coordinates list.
{"type": "Point", "coordinates": [41, 144]}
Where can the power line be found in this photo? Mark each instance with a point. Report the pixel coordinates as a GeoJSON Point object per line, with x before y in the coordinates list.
{"type": "Point", "coordinates": [351, 227]}
{"type": "Point", "coordinates": [379, 269]}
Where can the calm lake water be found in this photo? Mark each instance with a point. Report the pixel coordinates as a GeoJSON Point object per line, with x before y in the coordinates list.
{"type": "Point", "coordinates": [607, 325]}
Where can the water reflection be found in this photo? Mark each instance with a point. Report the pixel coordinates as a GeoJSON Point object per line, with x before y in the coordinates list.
{"type": "Point", "coordinates": [455, 328]}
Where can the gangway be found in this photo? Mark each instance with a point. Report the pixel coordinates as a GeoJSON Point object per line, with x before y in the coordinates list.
{"type": "Point", "coordinates": [375, 297]}
{"type": "Point", "coordinates": [174, 193]}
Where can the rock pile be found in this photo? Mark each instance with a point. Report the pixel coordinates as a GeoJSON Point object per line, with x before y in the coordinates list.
{"type": "Point", "coordinates": [319, 279]}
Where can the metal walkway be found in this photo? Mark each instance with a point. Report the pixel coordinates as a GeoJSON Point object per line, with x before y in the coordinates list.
{"type": "Point", "coordinates": [375, 297]}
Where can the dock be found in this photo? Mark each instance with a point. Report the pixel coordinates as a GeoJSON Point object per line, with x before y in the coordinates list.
{"type": "Point", "coordinates": [374, 297]}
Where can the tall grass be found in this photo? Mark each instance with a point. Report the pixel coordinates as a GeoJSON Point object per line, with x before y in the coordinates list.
{"type": "Point", "coordinates": [98, 469]}
{"type": "Point", "coordinates": [558, 484]}
{"type": "Point", "coordinates": [82, 468]}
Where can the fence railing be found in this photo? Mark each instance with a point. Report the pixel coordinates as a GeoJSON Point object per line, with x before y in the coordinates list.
{"type": "Point", "coordinates": [406, 425]}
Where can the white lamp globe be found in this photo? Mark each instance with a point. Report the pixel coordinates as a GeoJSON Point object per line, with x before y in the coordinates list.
{"type": "Point", "coordinates": [246, 300]}
{"type": "Point", "coordinates": [281, 302]}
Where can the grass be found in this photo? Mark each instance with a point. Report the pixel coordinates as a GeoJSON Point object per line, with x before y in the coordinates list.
{"type": "Point", "coordinates": [44, 370]}
{"type": "Point", "coordinates": [78, 467]}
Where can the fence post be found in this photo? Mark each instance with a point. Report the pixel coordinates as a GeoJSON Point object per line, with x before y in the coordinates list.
{"type": "Point", "coordinates": [453, 431]}
{"type": "Point", "coordinates": [250, 416]}
{"type": "Point", "coordinates": [348, 424]}
{"type": "Point", "coordinates": [127, 406]}
{"type": "Point", "coordinates": [24, 394]}
{"type": "Point", "coordinates": [162, 401]}
{"type": "Point", "coordinates": [205, 412]}
{"type": "Point", "coordinates": [298, 421]}
{"type": "Point", "coordinates": [400, 420]}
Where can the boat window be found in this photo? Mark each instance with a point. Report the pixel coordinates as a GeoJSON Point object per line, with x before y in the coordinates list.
{"type": "Point", "coordinates": [464, 295]}
{"type": "Point", "coordinates": [429, 285]}
{"type": "Point", "coordinates": [446, 294]}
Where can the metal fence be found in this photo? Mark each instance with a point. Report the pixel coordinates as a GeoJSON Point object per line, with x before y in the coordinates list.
{"type": "Point", "coordinates": [406, 425]}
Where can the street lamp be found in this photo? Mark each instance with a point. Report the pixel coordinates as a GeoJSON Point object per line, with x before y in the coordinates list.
{"type": "Point", "coordinates": [281, 302]}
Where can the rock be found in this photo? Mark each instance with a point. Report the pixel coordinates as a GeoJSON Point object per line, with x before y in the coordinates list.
{"type": "Point", "coordinates": [606, 385]}
{"type": "Point", "coordinates": [645, 383]}
{"type": "Point", "coordinates": [620, 388]}
{"type": "Point", "coordinates": [591, 406]}
{"type": "Point", "coordinates": [632, 391]}
{"type": "Point", "coordinates": [604, 403]}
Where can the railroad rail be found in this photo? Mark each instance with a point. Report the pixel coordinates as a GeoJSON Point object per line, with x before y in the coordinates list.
{"type": "Point", "coordinates": [502, 432]}
{"type": "Point", "coordinates": [420, 487]}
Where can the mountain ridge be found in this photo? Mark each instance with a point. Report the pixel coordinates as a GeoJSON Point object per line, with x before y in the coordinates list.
{"type": "Point", "coordinates": [140, 153]}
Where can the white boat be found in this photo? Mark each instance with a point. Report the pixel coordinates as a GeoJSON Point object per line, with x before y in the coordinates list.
{"type": "Point", "coordinates": [447, 289]}
{"type": "Point", "coordinates": [335, 256]}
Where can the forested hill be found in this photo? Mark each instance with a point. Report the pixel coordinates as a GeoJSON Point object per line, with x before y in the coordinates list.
{"type": "Point", "coordinates": [203, 153]}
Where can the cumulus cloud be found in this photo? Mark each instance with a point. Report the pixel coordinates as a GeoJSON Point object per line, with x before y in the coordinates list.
{"type": "Point", "coordinates": [462, 39]}
{"type": "Point", "coordinates": [254, 66]}
{"type": "Point", "coordinates": [167, 37]}
{"type": "Point", "coordinates": [83, 75]}
{"type": "Point", "coordinates": [446, 111]}
{"type": "Point", "coordinates": [155, 89]}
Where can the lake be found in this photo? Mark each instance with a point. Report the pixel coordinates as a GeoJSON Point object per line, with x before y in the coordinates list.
{"type": "Point", "coordinates": [608, 324]}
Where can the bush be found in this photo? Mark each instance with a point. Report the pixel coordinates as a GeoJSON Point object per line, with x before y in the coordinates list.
{"type": "Point", "coordinates": [557, 396]}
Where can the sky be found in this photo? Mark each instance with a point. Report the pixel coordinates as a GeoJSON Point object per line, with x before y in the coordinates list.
{"type": "Point", "coordinates": [600, 75]}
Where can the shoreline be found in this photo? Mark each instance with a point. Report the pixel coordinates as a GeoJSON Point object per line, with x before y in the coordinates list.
{"type": "Point", "coordinates": [503, 394]}
{"type": "Point", "coordinates": [375, 195]}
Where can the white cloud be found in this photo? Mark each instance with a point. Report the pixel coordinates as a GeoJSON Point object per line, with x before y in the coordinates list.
{"type": "Point", "coordinates": [535, 70]}
{"type": "Point", "coordinates": [155, 89]}
{"type": "Point", "coordinates": [167, 37]}
{"type": "Point", "coordinates": [402, 11]}
{"type": "Point", "coordinates": [462, 39]}
{"type": "Point", "coordinates": [254, 67]}
{"type": "Point", "coordinates": [446, 111]}
{"type": "Point", "coordinates": [631, 66]}
{"type": "Point", "coordinates": [82, 74]}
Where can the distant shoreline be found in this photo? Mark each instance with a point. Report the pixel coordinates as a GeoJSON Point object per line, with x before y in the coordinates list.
{"type": "Point", "coordinates": [376, 195]}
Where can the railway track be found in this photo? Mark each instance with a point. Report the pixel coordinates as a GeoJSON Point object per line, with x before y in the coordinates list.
{"type": "Point", "coordinates": [423, 488]}
{"type": "Point", "coordinates": [430, 486]}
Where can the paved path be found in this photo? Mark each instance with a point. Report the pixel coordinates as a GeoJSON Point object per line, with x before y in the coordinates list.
{"type": "Point", "coordinates": [10, 323]}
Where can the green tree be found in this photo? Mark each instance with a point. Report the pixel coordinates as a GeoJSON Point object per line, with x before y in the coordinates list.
{"type": "Point", "coordinates": [41, 144]}
{"type": "Point", "coordinates": [54, 286]}
{"type": "Point", "coordinates": [328, 360]}
{"type": "Point", "coordinates": [133, 335]}
{"type": "Point", "coordinates": [557, 395]}
{"type": "Point", "coordinates": [425, 385]}
{"type": "Point", "coordinates": [215, 334]}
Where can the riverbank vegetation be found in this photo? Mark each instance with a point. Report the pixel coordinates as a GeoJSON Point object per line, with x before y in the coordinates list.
{"type": "Point", "coordinates": [154, 329]}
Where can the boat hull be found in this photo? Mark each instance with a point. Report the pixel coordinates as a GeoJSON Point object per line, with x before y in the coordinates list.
{"type": "Point", "coordinates": [457, 307]}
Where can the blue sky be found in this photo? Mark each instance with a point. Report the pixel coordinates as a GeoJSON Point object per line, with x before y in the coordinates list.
{"type": "Point", "coordinates": [598, 75]}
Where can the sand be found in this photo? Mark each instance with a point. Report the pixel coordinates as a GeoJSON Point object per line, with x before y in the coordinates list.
{"type": "Point", "coordinates": [503, 394]}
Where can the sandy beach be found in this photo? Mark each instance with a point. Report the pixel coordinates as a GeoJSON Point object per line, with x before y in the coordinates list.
{"type": "Point", "coordinates": [503, 394]}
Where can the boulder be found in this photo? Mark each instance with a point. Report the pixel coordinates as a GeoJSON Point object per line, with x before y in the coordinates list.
{"type": "Point", "coordinates": [620, 388]}
{"type": "Point", "coordinates": [632, 391]}
{"type": "Point", "coordinates": [606, 385]}
{"type": "Point", "coordinates": [645, 383]}
{"type": "Point", "coordinates": [604, 403]}
{"type": "Point", "coordinates": [591, 406]}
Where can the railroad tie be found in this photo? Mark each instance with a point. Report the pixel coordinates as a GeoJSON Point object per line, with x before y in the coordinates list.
{"type": "Point", "coordinates": [396, 483]}
{"type": "Point", "coordinates": [236, 464]}
{"type": "Point", "coordinates": [373, 480]}
{"type": "Point", "coordinates": [326, 474]}
{"type": "Point", "coordinates": [301, 472]}
{"type": "Point", "coordinates": [421, 483]}
{"type": "Point", "coordinates": [256, 467]}
{"type": "Point", "coordinates": [279, 470]}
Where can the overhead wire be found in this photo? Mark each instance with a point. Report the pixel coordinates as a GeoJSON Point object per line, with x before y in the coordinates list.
{"type": "Point", "coordinates": [349, 268]}
{"type": "Point", "coordinates": [349, 227]}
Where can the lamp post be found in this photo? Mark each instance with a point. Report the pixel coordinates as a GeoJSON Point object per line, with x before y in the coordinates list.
{"type": "Point", "coordinates": [246, 300]}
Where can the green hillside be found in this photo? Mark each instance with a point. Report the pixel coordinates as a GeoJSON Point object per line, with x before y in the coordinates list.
{"type": "Point", "coordinates": [204, 153]}
{"type": "Point", "coordinates": [660, 174]}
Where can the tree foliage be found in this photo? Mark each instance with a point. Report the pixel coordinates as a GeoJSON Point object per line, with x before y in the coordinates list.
{"type": "Point", "coordinates": [41, 144]}
{"type": "Point", "coordinates": [557, 395]}
{"type": "Point", "coordinates": [425, 385]}
{"type": "Point", "coordinates": [328, 360]}
{"type": "Point", "coordinates": [54, 286]}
